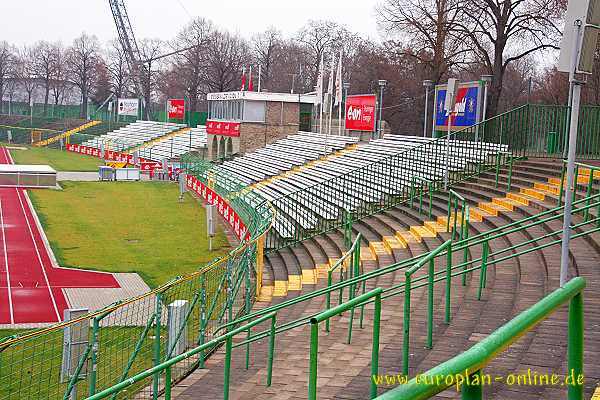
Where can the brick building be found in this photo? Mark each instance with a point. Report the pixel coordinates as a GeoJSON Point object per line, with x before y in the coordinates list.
{"type": "Point", "coordinates": [239, 122]}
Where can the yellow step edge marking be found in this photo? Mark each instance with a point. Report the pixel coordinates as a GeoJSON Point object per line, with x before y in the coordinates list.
{"type": "Point", "coordinates": [405, 237]}
{"type": "Point", "coordinates": [420, 232]}
{"type": "Point", "coordinates": [309, 276]}
{"type": "Point", "coordinates": [596, 395]}
{"type": "Point", "coordinates": [536, 194]}
{"type": "Point", "coordinates": [477, 214]}
{"type": "Point", "coordinates": [294, 282]}
{"type": "Point", "coordinates": [586, 172]}
{"type": "Point", "coordinates": [322, 270]}
{"type": "Point", "coordinates": [435, 227]}
{"type": "Point", "coordinates": [518, 198]}
{"type": "Point", "coordinates": [546, 187]}
{"type": "Point", "coordinates": [504, 202]}
{"type": "Point", "coordinates": [392, 243]}
{"type": "Point", "coordinates": [379, 248]}
{"type": "Point", "coordinates": [581, 180]}
{"type": "Point", "coordinates": [366, 254]}
{"type": "Point", "coordinates": [280, 289]}
{"type": "Point", "coordinates": [266, 293]}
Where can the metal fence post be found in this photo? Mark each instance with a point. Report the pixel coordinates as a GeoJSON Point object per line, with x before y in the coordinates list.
{"type": "Point", "coordinates": [156, 355]}
{"type": "Point", "coordinates": [94, 368]}
{"type": "Point", "coordinates": [227, 368]}
{"type": "Point", "coordinates": [471, 391]}
{"type": "Point", "coordinates": [406, 324]}
{"type": "Point", "coordinates": [448, 282]}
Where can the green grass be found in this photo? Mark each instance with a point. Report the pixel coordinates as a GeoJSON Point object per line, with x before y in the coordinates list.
{"type": "Point", "coordinates": [127, 227]}
{"type": "Point", "coordinates": [57, 159]}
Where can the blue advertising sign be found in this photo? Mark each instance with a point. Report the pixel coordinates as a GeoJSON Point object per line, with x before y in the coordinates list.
{"type": "Point", "coordinates": [466, 108]}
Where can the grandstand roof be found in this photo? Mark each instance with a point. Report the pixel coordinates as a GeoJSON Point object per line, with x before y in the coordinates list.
{"type": "Point", "coordinates": [263, 96]}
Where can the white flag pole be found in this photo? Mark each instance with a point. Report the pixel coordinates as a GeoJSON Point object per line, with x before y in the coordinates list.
{"type": "Point", "coordinates": [338, 94]}
{"type": "Point", "coordinates": [259, 75]}
{"type": "Point", "coordinates": [330, 93]}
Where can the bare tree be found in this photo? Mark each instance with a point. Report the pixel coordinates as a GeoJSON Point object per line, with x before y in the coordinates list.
{"type": "Point", "coordinates": [59, 84]}
{"type": "Point", "coordinates": [504, 31]}
{"type": "Point", "coordinates": [320, 38]}
{"type": "Point", "coordinates": [45, 64]}
{"type": "Point", "coordinates": [117, 68]}
{"type": "Point", "coordinates": [83, 58]}
{"type": "Point", "coordinates": [427, 31]}
{"type": "Point", "coordinates": [25, 72]}
{"type": "Point", "coordinates": [266, 49]}
{"type": "Point", "coordinates": [189, 67]}
{"type": "Point", "coordinates": [150, 49]}
{"type": "Point", "coordinates": [7, 58]}
{"type": "Point", "coordinates": [227, 54]}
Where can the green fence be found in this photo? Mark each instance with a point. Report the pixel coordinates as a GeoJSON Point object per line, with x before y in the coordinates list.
{"type": "Point", "coordinates": [130, 336]}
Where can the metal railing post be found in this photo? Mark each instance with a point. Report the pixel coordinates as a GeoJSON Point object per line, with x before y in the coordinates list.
{"type": "Point", "coordinates": [271, 351]}
{"type": "Point", "coordinates": [471, 391]}
{"type": "Point", "coordinates": [227, 367]}
{"type": "Point", "coordinates": [575, 347]}
{"type": "Point", "coordinates": [202, 327]}
{"type": "Point", "coordinates": [448, 283]}
{"type": "Point", "coordinates": [314, 352]}
{"type": "Point", "coordinates": [483, 270]}
{"type": "Point", "coordinates": [406, 324]}
{"type": "Point", "coordinates": [168, 383]}
{"type": "Point", "coordinates": [375, 349]}
{"type": "Point", "coordinates": [430, 277]}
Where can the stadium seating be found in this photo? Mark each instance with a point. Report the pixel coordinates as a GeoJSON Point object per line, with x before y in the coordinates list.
{"type": "Point", "coordinates": [133, 135]}
{"type": "Point", "coordinates": [297, 163]}
{"type": "Point", "coordinates": [175, 146]}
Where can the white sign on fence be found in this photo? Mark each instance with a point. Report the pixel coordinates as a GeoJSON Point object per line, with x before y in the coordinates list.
{"type": "Point", "coordinates": [128, 107]}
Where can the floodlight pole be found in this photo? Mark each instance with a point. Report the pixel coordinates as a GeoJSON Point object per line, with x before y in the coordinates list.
{"type": "Point", "coordinates": [427, 83]}
{"type": "Point", "coordinates": [575, 87]}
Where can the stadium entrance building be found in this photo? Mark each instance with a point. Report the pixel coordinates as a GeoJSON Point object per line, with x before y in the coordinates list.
{"type": "Point", "coordinates": [239, 122]}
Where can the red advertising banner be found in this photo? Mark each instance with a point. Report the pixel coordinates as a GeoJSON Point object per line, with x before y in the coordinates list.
{"type": "Point", "coordinates": [176, 108]}
{"type": "Point", "coordinates": [228, 213]}
{"type": "Point", "coordinates": [360, 113]}
{"type": "Point", "coordinates": [108, 154]}
{"type": "Point", "coordinates": [224, 128]}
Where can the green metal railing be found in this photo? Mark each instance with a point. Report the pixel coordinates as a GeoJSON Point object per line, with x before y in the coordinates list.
{"type": "Point", "coordinates": [472, 362]}
{"type": "Point", "coordinates": [411, 268]}
{"type": "Point", "coordinates": [133, 335]}
{"type": "Point", "coordinates": [584, 174]}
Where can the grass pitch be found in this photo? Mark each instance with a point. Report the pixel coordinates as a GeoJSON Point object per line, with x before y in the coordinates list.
{"type": "Point", "coordinates": [127, 227]}
{"type": "Point", "coordinates": [58, 159]}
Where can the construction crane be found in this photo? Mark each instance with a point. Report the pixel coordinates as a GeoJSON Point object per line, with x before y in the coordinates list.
{"type": "Point", "coordinates": [131, 50]}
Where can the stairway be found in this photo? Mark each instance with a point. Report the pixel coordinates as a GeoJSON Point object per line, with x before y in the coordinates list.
{"type": "Point", "coordinates": [401, 233]}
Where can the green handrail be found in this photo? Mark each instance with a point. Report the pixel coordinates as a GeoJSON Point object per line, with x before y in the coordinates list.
{"type": "Point", "coordinates": [480, 355]}
{"type": "Point", "coordinates": [591, 169]}
{"type": "Point", "coordinates": [166, 365]}
{"type": "Point", "coordinates": [429, 259]}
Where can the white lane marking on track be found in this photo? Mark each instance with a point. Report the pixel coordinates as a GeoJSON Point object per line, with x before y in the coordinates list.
{"type": "Point", "coordinates": [39, 257]}
{"type": "Point", "coordinates": [10, 303]}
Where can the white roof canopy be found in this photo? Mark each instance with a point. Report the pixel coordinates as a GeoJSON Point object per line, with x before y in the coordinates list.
{"type": "Point", "coordinates": [263, 96]}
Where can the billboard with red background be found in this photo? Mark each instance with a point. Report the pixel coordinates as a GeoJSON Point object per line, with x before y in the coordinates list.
{"type": "Point", "coordinates": [360, 112]}
{"type": "Point", "coordinates": [176, 108]}
{"type": "Point", "coordinates": [224, 128]}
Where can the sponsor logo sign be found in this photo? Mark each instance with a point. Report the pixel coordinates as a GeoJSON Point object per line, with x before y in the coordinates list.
{"type": "Point", "coordinates": [128, 107]}
{"type": "Point", "coordinates": [225, 128]}
{"type": "Point", "coordinates": [360, 113]}
{"type": "Point", "coordinates": [176, 108]}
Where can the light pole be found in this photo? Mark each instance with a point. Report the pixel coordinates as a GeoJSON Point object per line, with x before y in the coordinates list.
{"type": "Point", "coordinates": [346, 87]}
{"type": "Point", "coordinates": [486, 79]}
{"type": "Point", "coordinates": [382, 83]}
{"type": "Point", "coordinates": [428, 84]}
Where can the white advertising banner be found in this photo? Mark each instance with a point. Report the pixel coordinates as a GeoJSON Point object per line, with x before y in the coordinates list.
{"type": "Point", "coordinates": [128, 107]}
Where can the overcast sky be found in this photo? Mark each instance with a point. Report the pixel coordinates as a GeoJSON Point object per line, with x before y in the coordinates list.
{"type": "Point", "coordinates": [26, 21]}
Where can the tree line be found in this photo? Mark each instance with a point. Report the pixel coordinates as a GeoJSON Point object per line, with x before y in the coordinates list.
{"type": "Point", "coordinates": [514, 41]}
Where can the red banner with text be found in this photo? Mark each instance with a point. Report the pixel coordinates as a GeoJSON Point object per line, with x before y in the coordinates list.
{"type": "Point", "coordinates": [223, 208]}
{"type": "Point", "coordinates": [223, 128]}
{"type": "Point", "coordinates": [360, 113]}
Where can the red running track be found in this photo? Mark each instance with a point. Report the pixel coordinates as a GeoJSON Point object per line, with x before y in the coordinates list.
{"type": "Point", "coordinates": [30, 286]}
